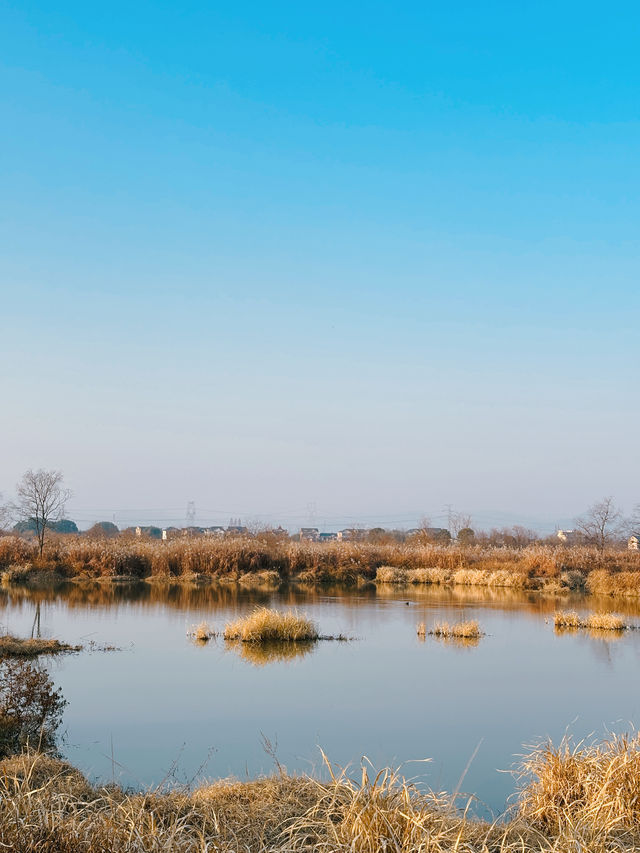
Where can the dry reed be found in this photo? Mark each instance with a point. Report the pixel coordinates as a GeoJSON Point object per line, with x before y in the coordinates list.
{"type": "Point", "coordinates": [263, 625]}
{"type": "Point", "coordinates": [11, 646]}
{"type": "Point", "coordinates": [202, 633]}
{"type": "Point", "coordinates": [458, 630]}
{"type": "Point", "coordinates": [572, 798]}
{"type": "Point", "coordinates": [569, 619]}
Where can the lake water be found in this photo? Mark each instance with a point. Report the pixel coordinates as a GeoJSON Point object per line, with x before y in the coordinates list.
{"type": "Point", "coordinates": [164, 707]}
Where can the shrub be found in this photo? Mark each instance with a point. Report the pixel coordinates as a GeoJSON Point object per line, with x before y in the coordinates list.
{"type": "Point", "coordinates": [30, 707]}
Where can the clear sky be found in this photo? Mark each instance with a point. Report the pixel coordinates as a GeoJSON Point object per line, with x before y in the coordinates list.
{"type": "Point", "coordinates": [351, 259]}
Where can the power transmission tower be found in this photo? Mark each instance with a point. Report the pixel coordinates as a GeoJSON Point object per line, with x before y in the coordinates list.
{"type": "Point", "coordinates": [312, 509]}
{"type": "Point", "coordinates": [449, 509]}
{"type": "Point", "coordinates": [191, 514]}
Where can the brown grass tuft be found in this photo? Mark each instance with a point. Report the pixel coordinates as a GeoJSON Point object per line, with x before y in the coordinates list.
{"type": "Point", "coordinates": [264, 625]}
{"type": "Point", "coordinates": [569, 619]}
{"type": "Point", "coordinates": [458, 630]}
{"type": "Point", "coordinates": [11, 646]}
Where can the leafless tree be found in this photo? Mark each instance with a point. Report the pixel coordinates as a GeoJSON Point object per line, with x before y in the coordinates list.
{"type": "Point", "coordinates": [458, 521]}
{"type": "Point", "coordinates": [601, 524]}
{"type": "Point", "coordinates": [41, 499]}
{"type": "Point", "coordinates": [5, 515]}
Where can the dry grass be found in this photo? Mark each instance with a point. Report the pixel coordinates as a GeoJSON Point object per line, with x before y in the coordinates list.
{"type": "Point", "coordinates": [573, 799]}
{"type": "Point", "coordinates": [458, 630]}
{"type": "Point", "coordinates": [263, 625]}
{"type": "Point", "coordinates": [11, 646]}
{"type": "Point", "coordinates": [569, 619]}
{"type": "Point", "coordinates": [608, 572]}
{"type": "Point", "coordinates": [202, 633]}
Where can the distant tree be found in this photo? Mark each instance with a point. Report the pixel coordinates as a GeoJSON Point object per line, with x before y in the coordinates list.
{"type": "Point", "coordinates": [5, 515]}
{"type": "Point", "coordinates": [601, 524]}
{"type": "Point", "coordinates": [458, 521]}
{"type": "Point", "coordinates": [466, 536]}
{"type": "Point", "coordinates": [42, 498]}
{"type": "Point", "coordinates": [103, 530]}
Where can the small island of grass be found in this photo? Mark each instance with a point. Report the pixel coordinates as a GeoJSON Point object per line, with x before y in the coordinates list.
{"type": "Point", "coordinates": [31, 647]}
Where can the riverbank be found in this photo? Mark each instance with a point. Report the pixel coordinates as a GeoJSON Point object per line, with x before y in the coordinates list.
{"type": "Point", "coordinates": [270, 563]}
{"type": "Point", "coordinates": [572, 798]}
{"type": "Point", "coordinates": [269, 559]}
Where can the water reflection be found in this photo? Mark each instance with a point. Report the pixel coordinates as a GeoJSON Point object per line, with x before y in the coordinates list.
{"type": "Point", "coordinates": [388, 696]}
{"type": "Point", "coordinates": [212, 596]}
{"type": "Point", "coordinates": [261, 654]}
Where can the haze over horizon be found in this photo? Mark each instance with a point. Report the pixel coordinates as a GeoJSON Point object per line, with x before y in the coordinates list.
{"type": "Point", "coordinates": [344, 263]}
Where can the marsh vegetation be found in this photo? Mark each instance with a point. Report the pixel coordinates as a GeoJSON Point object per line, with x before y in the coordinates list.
{"type": "Point", "coordinates": [572, 798]}
{"type": "Point", "coordinates": [266, 562]}
{"type": "Point", "coordinates": [30, 647]}
{"type": "Point", "coordinates": [569, 619]}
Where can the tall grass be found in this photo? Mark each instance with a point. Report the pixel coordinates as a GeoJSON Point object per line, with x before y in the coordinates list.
{"type": "Point", "coordinates": [573, 799]}
{"type": "Point", "coordinates": [458, 630]}
{"type": "Point", "coordinates": [264, 626]}
{"type": "Point", "coordinates": [267, 561]}
{"type": "Point", "coordinates": [569, 619]}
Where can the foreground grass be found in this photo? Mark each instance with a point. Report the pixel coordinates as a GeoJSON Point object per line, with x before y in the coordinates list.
{"type": "Point", "coordinates": [264, 625]}
{"type": "Point", "coordinates": [569, 619]}
{"type": "Point", "coordinates": [11, 646]}
{"type": "Point", "coordinates": [574, 799]}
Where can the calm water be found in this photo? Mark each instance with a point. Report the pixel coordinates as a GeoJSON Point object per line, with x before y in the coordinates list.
{"type": "Point", "coordinates": [165, 706]}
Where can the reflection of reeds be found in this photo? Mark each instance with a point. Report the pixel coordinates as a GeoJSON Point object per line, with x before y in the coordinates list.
{"type": "Point", "coordinates": [261, 654]}
{"type": "Point", "coordinates": [265, 625]}
{"type": "Point", "coordinates": [569, 619]}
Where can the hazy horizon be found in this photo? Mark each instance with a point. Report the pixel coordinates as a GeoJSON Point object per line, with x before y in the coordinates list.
{"type": "Point", "coordinates": [368, 260]}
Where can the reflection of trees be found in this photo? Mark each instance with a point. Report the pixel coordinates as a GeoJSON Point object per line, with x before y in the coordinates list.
{"type": "Point", "coordinates": [261, 654]}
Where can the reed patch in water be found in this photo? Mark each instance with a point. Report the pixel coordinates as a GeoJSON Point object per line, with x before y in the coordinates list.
{"type": "Point", "coordinates": [202, 633]}
{"type": "Point", "coordinates": [569, 619]}
{"type": "Point", "coordinates": [458, 630]}
{"type": "Point", "coordinates": [264, 625]}
{"type": "Point", "coordinates": [11, 646]}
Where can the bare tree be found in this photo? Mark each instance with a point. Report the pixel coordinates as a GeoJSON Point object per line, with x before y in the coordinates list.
{"type": "Point", "coordinates": [458, 521]}
{"type": "Point", "coordinates": [601, 524]}
{"type": "Point", "coordinates": [41, 499]}
{"type": "Point", "coordinates": [5, 515]}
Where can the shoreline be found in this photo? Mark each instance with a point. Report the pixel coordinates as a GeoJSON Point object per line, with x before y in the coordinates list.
{"type": "Point", "coordinates": [570, 797]}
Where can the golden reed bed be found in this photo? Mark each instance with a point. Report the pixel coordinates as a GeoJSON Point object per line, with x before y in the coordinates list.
{"type": "Point", "coordinates": [267, 561]}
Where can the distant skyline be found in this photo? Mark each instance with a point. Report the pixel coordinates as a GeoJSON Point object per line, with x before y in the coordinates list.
{"type": "Point", "coordinates": [367, 258]}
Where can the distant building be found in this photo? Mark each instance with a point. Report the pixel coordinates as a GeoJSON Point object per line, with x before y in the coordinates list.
{"type": "Point", "coordinates": [327, 537]}
{"type": "Point", "coordinates": [216, 530]}
{"type": "Point", "coordinates": [568, 537]}
{"type": "Point", "coordinates": [237, 530]}
{"type": "Point", "coordinates": [309, 534]}
{"type": "Point", "coordinates": [634, 542]}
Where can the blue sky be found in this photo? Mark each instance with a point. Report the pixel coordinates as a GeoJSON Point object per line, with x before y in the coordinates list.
{"type": "Point", "coordinates": [366, 257]}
